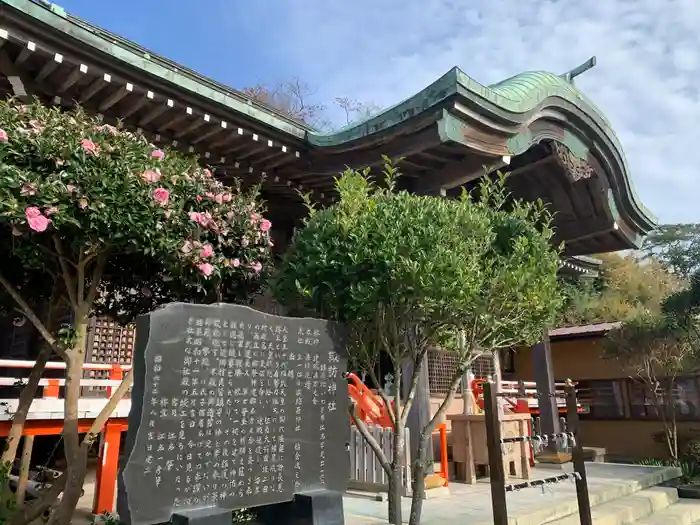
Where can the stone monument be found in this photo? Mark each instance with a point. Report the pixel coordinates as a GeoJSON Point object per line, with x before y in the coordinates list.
{"type": "Point", "coordinates": [233, 408]}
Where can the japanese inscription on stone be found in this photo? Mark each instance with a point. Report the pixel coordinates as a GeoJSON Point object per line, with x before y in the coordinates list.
{"type": "Point", "coordinates": [232, 408]}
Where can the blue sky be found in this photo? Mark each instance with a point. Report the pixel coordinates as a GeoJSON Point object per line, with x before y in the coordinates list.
{"type": "Point", "coordinates": [381, 51]}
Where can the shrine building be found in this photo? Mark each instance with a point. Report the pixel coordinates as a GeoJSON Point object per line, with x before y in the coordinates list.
{"type": "Point", "coordinates": [556, 144]}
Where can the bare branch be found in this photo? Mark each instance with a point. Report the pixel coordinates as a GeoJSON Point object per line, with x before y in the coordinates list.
{"type": "Point", "coordinates": [96, 278]}
{"type": "Point", "coordinates": [67, 277]}
{"type": "Point", "coordinates": [107, 411]}
{"type": "Point", "coordinates": [383, 395]}
{"type": "Point", "coordinates": [413, 384]}
{"type": "Point", "coordinates": [371, 441]}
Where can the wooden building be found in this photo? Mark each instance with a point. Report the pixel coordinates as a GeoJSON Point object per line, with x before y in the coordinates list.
{"type": "Point", "coordinates": [618, 415]}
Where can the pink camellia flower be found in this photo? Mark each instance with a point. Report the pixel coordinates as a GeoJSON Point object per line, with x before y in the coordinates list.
{"type": "Point", "coordinates": [150, 176]}
{"type": "Point", "coordinates": [89, 146]}
{"type": "Point", "coordinates": [256, 266]}
{"type": "Point", "coordinates": [226, 197]}
{"type": "Point", "coordinates": [3, 135]}
{"type": "Point", "coordinates": [71, 189]}
{"type": "Point", "coordinates": [210, 195]}
{"type": "Point", "coordinates": [203, 219]}
{"type": "Point", "coordinates": [157, 154]}
{"type": "Point", "coordinates": [235, 263]}
{"type": "Point", "coordinates": [28, 189]}
{"type": "Point", "coordinates": [207, 173]}
{"type": "Point", "coordinates": [206, 251]}
{"type": "Point", "coordinates": [198, 198]}
{"type": "Point", "coordinates": [36, 220]}
{"type": "Point", "coordinates": [219, 198]}
{"type": "Point", "coordinates": [161, 196]}
{"type": "Point", "coordinates": [186, 247]}
{"type": "Point", "coordinates": [254, 217]}
{"type": "Point", "coordinates": [50, 211]}
{"type": "Point", "coordinates": [206, 269]}
{"type": "Point", "coordinates": [265, 225]}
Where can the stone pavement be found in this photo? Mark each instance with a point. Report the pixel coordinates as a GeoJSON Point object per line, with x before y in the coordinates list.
{"type": "Point", "coordinates": [471, 504]}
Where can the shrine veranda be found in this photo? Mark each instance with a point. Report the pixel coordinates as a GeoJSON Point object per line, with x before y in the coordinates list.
{"type": "Point", "coordinates": [232, 408]}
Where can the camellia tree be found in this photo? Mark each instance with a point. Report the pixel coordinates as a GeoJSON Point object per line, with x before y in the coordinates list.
{"type": "Point", "coordinates": [118, 226]}
{"type": "Point", "coordinates": [404, 272]}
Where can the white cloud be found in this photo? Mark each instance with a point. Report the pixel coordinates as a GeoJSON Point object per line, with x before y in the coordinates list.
{"type": "Point", "coordinates": [646, 80]}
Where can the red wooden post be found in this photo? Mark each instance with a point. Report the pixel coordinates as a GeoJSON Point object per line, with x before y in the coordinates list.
{"type": "Point", "coordinates": [443, 453]}
{"type": "Point", "coordinates": [115, 374]}
{"type": "Point", "coordinates": [51, 390]}
{"type": "Point", "coordinates": [106, 480]}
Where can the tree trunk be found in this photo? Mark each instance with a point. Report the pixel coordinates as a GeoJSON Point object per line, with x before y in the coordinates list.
{"type": "Point", "coordinates": [396, 477]}
{"type": "Point", "coordinates": [418, 484]}
{"type": "Point", "coordinates": [674, 435]}
{"type": "Point", "coordinates": [419, 465]}
{"type": "Point", "coordinates": [76, 459]}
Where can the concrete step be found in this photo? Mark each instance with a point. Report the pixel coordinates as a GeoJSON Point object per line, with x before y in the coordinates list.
{"type": "Point", "coordinates": [683, 512]}
{"type": "Point", "coordinates": [627, 509]}
{"type": "Point", "coordinates": [624, 485]}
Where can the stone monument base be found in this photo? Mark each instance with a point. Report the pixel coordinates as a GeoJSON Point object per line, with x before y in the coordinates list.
{"type": "Point", "coordinates": [207, 516]}
{"type": "Point", "coordinates": [320, 507]}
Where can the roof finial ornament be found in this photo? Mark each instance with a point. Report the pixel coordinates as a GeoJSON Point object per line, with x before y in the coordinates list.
{"type": "Point", "coordinates": [588, 64]}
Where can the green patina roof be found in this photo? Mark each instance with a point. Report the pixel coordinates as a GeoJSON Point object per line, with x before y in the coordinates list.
{"type": "Point", "coordinates": [508, 100]}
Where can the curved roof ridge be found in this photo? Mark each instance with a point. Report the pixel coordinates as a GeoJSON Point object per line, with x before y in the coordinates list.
{"type": "Point", "coordinates": [525, 91]}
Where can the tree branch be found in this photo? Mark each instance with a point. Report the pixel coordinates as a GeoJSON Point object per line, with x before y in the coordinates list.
{"type": "Point", "coordinates": [382, 394]}
{"type": "Point", "coordinates": [108, 409]}
{"type": "Point", "coordinates": [67, 277]}
{"type": "Point", "coordinates": [415, 374]}
{"type": "Point", "coordinates": [80, 278]}
{"type": "Point", "coordinates": [456, 379]}
{"type": "Point", "coordinates": [371, 440]}
{"type": "Point", "coordinates": [96, 278]}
